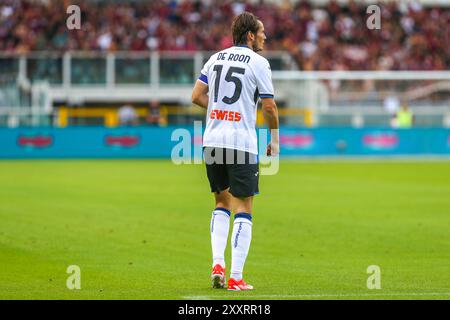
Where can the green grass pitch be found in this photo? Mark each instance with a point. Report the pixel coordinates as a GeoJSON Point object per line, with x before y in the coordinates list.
{"type": "Point", "coordinates": [139, 229]}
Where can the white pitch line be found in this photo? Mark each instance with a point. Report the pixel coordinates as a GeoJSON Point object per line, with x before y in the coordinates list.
{"type": "Point", "coordinates": [406, 294]}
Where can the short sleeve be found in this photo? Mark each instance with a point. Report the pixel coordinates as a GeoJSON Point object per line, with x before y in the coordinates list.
{"type": "Point", "coordinates": [205, 71]}
{"type": "Point", "coordinates": [263, 75]}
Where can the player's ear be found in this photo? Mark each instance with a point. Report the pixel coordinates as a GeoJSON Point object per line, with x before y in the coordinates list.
{"type": "Point", "coordinates": [251, 34]}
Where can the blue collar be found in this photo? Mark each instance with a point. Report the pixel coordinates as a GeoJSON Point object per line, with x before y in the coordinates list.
{"type": "Point", "coordinates": [243, 46]}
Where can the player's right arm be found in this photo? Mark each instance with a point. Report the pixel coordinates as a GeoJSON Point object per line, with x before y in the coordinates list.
{"type": "Point", "coordinates": [200, 94]}
{"type": "Point", "coordinates": [270, 112]}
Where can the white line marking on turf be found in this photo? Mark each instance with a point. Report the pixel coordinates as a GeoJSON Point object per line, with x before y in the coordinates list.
{"type": "Point", "coordinates": [406, 294]}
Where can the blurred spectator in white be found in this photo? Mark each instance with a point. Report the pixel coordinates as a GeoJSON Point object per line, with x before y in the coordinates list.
{"type": "Point", "coordinates": [128, 116]}
{"type": "Point", "coordinates": [104, 41]}
{"type": "Point", "coordinates": [391, 104]}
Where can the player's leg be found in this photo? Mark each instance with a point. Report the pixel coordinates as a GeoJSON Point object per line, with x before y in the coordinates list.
{"type": "Point", "coordinates": [220, 225]}
{"type": "Point", "coordinates": [244, 180]}
{"type": "Point", "coordinates": [241, 204]}
{"type": "Point", "coordinates": [220, 219]}
{"type": "Point", "coordinates": [223, 199]}
{"type": "Point", "coordinates": [240, 242]}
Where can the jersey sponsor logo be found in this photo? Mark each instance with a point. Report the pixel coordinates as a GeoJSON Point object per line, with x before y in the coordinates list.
{"type": "Point", "coordinates": [217, 114]}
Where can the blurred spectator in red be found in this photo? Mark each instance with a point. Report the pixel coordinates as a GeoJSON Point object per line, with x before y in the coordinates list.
{"type": "Point", "coordinates": [332, 37]}
{"type": "Point", "coordinates": [153, 116]}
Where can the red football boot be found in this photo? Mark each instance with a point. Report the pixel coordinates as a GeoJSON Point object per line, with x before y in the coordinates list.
{"type": "Point", "coordinates": [218, 277]}
{"type": "Point", "coordinates": [235, 285]}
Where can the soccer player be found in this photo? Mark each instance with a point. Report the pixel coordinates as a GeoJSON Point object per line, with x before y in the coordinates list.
{"type": "Point", "coordinates": [229, 86]}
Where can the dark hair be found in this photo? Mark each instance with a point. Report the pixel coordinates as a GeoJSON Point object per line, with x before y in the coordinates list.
{"type": "Point", "coordinates": [242, 24]}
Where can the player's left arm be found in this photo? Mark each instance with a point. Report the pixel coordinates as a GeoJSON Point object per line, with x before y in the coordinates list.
{"type": "Point", "coordinates": [200, 94]}
{"type": "Point", "coordinates": [269, 107]}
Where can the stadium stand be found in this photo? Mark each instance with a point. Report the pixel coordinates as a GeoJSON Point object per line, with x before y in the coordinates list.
{"type": "Point", "coordinates": [143, 50]}
{"type": "Point", "coordinates": [331, 37]}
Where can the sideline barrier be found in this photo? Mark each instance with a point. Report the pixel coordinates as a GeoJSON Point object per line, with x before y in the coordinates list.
{"type": "Point", "coordinates": [155, 142]}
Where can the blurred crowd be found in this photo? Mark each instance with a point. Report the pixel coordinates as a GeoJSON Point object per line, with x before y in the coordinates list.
{"type": "Point", "coordinates": [412, 37]}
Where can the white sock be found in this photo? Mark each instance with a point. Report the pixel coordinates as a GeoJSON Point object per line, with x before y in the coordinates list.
{"type": "Point", "coordinates": [220, 225]}
{"type": "Point", "coordinates": [240, 243]}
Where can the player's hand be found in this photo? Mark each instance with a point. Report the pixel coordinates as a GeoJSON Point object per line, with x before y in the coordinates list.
{"type": "Point", "coordinates": [271, 151]}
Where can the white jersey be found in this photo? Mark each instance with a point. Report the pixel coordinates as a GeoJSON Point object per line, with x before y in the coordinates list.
{"type": "Point", "coordinates": [236, 78]}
